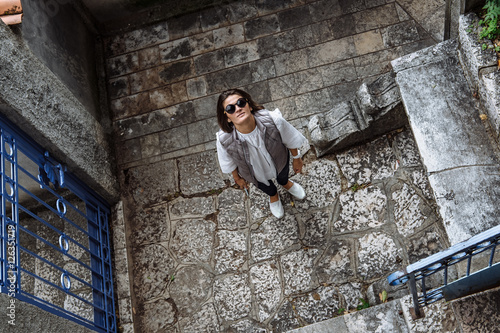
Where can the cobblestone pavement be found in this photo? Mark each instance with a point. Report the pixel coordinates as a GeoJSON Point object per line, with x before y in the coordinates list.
{"type": "Point", "coordinates": [215, 260]}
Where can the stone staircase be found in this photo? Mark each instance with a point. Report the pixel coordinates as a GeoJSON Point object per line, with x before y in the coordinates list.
{"type": "Point", "coordinates": [449, 92]}
{"type": "Point", "coordinates": [456, 148]}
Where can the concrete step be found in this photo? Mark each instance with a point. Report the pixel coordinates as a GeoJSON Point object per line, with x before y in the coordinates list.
{"type": "Point", "coordinates": [457, 150]}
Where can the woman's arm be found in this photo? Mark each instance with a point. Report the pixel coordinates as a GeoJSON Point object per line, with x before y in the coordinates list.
{"type": "Point", "coordinates": [226, 163]}
{"type": "Point", "coordinates": [297, 160]}
{"type": "Point", "coordinates": [238, 180]}
{"type": "Point", "coordinates": [291, 137]}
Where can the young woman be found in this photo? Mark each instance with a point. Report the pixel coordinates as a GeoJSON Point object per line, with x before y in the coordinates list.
{"type": "Point", "coordinates": [253, 145]}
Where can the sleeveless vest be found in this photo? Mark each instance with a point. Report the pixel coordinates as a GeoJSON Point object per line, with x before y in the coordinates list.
{"type": "Point", "coordinates": [238, 150]}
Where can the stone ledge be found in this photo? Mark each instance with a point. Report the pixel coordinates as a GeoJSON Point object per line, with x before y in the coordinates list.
{"type": "Point", "coordinates": [440, 108]}
{"type": "Point", "coordinates": [431, 54]}
{"type": "Point", "coordinates": [473, 57]}
{"type": "Point", "coordinates": [376, 109]}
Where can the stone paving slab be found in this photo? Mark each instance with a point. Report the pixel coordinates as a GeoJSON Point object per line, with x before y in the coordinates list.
{"type": "Point", "coordinates": [149, 184]}
{"type": "Point", "coordinates": [196, 173]}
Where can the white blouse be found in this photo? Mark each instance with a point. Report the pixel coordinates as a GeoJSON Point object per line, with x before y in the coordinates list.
{"type": "Point", "coordinates": [260, 158]}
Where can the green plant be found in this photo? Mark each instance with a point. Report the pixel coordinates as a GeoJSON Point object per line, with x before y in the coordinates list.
{"type": "Point", "coordinates": [491, 29]}
{"type": "Point", "coordinates": [355, 187]}
{"type": "Point", "coordinates": [364, 304]}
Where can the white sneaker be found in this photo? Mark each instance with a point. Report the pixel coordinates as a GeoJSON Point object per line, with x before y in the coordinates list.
{"type": "Point", "coordinates": [276, 208]}
{"type": "Point", "coordinates": [297, 191]}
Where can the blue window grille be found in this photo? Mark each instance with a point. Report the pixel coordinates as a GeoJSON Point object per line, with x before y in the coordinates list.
{"type": "Point", "coordinates": [54, 245]}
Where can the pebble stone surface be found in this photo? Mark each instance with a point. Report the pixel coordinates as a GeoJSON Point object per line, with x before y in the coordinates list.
{"type": "Point", "coordinates": [211, 258]}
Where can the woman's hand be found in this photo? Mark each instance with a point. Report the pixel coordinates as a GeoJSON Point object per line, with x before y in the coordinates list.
{"type": "Point", "coordinates": [297, 165]}
{"type": "Point", "coordinates": [297, 162]}
{"type": "Point", "coordinates": [241, 183]}
{"type": "Point", "coordinates": [238, 180]}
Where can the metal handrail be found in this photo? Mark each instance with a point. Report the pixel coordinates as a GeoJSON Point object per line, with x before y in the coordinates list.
{"type": "Point", "coordinates": [440, 263]}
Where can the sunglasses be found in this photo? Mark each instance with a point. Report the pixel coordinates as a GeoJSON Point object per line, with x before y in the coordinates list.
{"type": "Point", "coordinates": [230, 108]}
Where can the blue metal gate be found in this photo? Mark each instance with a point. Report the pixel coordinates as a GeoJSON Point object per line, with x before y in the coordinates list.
{"type": "Point", "coordinates": [54, 246]}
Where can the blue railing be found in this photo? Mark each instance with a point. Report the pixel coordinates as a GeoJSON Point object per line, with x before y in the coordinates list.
{"type": "Point", "coordinates": [438, 275]}
{"type": "Point", "coordinates": [54, 246]}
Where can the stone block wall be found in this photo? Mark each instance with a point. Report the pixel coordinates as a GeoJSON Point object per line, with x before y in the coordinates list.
{"type": "Point", "coordinates": [61, 35]}
{"type": "Point", "coordinates": [40, 104]}
{"type": "Point", "coordinates": [300, 56]}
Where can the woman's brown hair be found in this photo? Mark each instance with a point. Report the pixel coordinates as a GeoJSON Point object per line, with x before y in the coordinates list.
{"type": "Point", "coordinates": [225, 125]}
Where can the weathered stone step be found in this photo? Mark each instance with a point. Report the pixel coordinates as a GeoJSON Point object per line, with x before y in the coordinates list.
{"type": "Point", "coordinates": [476, 313]}
{"type": "Point", "coordinates": [456, 150]}
{"type": "Point", "coordinates": [387, 317]}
